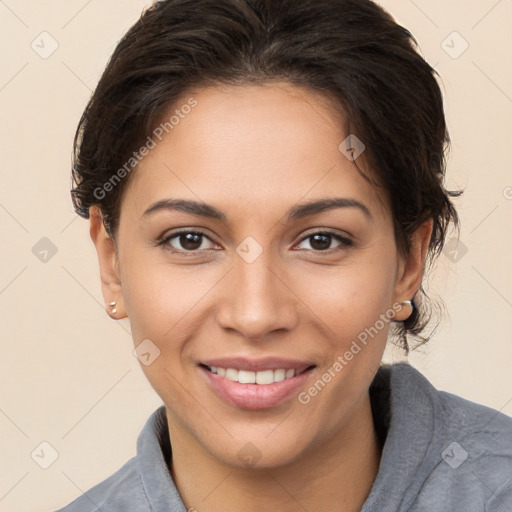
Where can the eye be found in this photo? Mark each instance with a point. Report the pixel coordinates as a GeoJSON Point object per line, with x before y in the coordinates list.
{"type": "Point", "coordinates": [190, 241]}
{"type": "Point", "coordinates": [321, 241]}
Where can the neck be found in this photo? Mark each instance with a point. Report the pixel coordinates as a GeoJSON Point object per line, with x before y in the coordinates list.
{"type": "Point", "coordinates": [336, 475]}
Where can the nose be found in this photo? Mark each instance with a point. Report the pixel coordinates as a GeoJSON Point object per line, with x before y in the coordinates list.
{"type": "Point", "coordinates": [256, 299]}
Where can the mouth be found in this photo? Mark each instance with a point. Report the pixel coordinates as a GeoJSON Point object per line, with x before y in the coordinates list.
{"type": "Point", "coordinates": [255, 385]}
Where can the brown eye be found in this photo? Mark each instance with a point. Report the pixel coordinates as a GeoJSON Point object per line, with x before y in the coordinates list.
{"type": "Point", "coordinates": [322, 240]}
{"type": "Point", "coordinates": [186, 241]}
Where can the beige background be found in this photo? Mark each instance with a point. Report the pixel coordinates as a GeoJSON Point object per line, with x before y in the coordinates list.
{"type": "Point", "coordinates": [68, 376]}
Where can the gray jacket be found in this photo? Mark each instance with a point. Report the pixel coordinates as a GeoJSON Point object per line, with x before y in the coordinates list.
{"type": "Point", "coordinates": [441, 453]}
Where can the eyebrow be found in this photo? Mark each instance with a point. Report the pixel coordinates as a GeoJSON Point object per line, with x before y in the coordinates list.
{"type": "Point", "coordinates": [297, 212]}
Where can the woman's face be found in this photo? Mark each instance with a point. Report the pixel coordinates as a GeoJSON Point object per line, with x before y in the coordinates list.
{"type": "Point", "coordinates": [257, 292]}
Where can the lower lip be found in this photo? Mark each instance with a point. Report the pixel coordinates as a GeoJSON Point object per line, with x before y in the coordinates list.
{"type": "Point", "coordinates": [255, 396]}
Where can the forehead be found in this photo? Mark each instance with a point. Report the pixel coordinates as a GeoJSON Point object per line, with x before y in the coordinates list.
{"type": "Point", "coordinates": [263, 146]}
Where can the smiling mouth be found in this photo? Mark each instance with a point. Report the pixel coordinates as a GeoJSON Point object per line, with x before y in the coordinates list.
{"type": "Point", "coordinates": [262, 377]}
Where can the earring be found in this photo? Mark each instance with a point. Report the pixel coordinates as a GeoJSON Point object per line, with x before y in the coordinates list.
{"type": "Point", "coordinates": [112, 305]}
{"type": "Point", "coordinates": [409, 302]}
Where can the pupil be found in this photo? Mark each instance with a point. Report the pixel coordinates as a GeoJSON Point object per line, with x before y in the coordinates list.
{"type": "Point", "coordinates": [190, 240]}
{"type": "Point", "coordinates": [323, 238]}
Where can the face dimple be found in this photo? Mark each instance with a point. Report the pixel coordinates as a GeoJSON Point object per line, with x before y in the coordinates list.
{"type": "Point", "coordinates": [255, 154]}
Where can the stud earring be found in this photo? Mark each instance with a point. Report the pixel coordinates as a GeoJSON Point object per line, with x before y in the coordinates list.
{"type": "Point", "coordinates": [112, 305]}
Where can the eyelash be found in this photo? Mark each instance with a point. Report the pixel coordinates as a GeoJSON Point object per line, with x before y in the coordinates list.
{"type": "Point", "coordinates": [346, 242]}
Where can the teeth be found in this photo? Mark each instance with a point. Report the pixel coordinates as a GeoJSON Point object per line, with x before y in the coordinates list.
{"type": "Point", "coordinates": [279, 375]}
{"type": "Point", "coordinates": [247, 377]}
{"type": "Point", "coordinates": [264, 377]}
{"type": "Point", "coordinates": [232, 374]}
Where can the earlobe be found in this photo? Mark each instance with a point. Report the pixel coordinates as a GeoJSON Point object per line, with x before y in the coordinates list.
{"type": "Point", "coordinates": [108, 262]}
{"type": "Point", "coordinates": [412, 267]}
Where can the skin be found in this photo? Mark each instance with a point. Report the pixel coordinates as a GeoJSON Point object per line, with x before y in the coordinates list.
{"type": "Point", "coordinates": [254, 152]}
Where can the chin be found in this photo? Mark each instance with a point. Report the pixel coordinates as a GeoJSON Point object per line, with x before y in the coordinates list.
{"type": "Point", "coordinates": [258, 453]}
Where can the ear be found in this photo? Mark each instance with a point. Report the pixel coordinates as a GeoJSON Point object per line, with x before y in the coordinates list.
{"type": "Point", "coordinates": [410, 269]}
{"type": "Point", "coordinates": [109, 265]}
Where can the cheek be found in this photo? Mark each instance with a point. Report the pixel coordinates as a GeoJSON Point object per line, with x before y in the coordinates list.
{"type": "Point", "coordinates": [159, 297]}
{"type": "Point", "coordinates": [166, 306]}
{"type": "Point", "coordinates": [349, 298]}
{"type": "Point", "coordinates": [353, 306]}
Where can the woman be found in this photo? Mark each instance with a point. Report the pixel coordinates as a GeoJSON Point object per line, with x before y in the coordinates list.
{"type": "Point", "coordinates": [264, 182]}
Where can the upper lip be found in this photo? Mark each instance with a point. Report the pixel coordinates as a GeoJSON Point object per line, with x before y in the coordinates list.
{"type": "Point", "coordinates": [256, 365]}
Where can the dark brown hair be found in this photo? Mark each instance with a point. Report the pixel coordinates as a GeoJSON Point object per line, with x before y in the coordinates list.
{"type": "Point", "coordinates": [350, 50]}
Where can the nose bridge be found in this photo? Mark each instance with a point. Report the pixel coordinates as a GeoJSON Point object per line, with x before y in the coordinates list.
{"type": "Point", "coordinates": [255, 301]}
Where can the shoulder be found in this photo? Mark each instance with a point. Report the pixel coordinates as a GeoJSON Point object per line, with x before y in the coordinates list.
{"type": "Point", "coordinates": [144, 483]}
{"type": "Point", "coordinates": [477, 452]}
{"type": "Point", "coordinates": [121, 491]}
{"type": "Point", "coordinates": [486, 431]}
{"type": "Point", "coordinates": [470, 450]}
